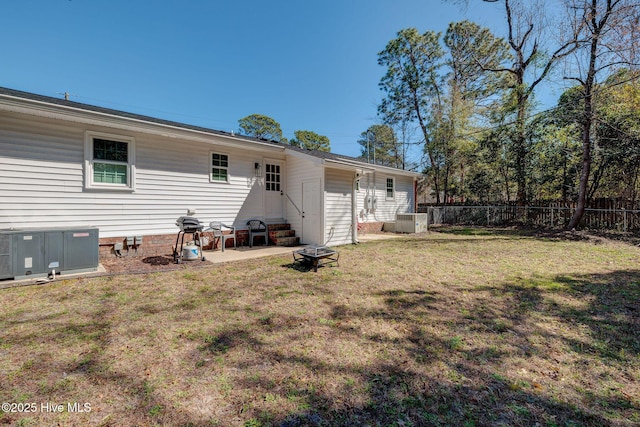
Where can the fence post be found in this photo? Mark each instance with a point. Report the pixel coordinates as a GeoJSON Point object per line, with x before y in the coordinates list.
{"type": "Point", "coordinates": [551, 216]}
{"type": "Point", "coordinates": [488, 209]}
{"type": "Point", "coordinates": [624, 212]}
{"type": "Point", "coordinates": [428, 207]}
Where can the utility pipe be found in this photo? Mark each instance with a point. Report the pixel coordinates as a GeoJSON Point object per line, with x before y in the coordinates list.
{"type": "Point", "coordinates": [354, 209]}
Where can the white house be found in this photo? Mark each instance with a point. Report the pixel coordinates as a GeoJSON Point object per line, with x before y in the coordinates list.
{"type": "Point", "coordinates": [67, 164]}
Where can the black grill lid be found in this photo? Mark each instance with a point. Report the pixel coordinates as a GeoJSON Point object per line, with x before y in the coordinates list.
{"type": "Point", "coordinates": [189, 223]}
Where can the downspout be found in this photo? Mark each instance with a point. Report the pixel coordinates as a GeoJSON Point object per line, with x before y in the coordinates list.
{"type": "Point", "coordinates": [415, 195]}
{"type": "Point", "coordinates": [354, 210]}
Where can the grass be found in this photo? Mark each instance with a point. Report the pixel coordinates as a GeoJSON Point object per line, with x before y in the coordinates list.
{"type": "Point", "coordinates": [461, 327]}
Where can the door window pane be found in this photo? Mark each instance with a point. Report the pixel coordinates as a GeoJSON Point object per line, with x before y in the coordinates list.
{"type": "Point", "coordinates": [272, 177]}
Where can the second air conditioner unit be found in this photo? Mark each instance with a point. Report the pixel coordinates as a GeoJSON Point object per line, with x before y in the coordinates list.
{"type": "Point", "coordinates": [411, 223]}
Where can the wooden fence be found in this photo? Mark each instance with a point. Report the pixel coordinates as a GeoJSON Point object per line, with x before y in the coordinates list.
{"type": "Point", "coordinates": [626, 220]}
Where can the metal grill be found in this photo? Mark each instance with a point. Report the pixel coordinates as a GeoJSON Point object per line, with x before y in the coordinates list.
{"type": "Point", "coordinates": [188, 225]}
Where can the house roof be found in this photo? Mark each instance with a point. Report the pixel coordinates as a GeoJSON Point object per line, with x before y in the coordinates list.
{"type": "Point", "coordinates": [330, 158]}
{"type": "Point", "coordinates": [339, 159]}
{"type": "Point", "coordinates": [42, 99]}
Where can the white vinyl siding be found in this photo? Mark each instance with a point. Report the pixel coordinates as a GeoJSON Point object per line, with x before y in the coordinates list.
{"type": "Point", "coordinates": [42, 181]}
{"type": "Point", "coordinates": [338, 206]}
{"type": "Point", "coordinates": [375, 185]}
{"type": "Point", "coordinates": [44, 171]}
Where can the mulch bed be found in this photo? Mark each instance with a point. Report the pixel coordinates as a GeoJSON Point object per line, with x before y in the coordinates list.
{"type": "Point", "coordinates": [150, 264]}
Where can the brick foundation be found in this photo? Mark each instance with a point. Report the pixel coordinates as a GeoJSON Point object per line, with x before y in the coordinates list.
{"type": "Point", "coordinates": [370, 227]}
{"type": "Point", "coordinates": [163, 244]}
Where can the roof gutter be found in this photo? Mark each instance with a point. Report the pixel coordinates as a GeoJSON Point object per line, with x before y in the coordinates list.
{"type": "Point", "coordinates": [367, 168]}
{"type": "Point", "coordinates": [349, 165]}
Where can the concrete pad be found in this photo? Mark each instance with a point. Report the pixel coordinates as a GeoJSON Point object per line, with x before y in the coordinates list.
{"type": "Point", "coordinates": [241, 253]}
{"type": "Point", "coordinates": [41, 280]}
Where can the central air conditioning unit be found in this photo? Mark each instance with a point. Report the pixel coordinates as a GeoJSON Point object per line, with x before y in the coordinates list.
{"type": "Point", "coordinates": [34, 252]}
{"type": "Point", "coordinates": [411, 223]}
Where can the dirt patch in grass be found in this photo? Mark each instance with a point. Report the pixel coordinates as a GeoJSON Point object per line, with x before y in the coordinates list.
{"type": "Point", "coordinates": [473, 328]}
{"type": "Point", "coordinates": [150, 264]}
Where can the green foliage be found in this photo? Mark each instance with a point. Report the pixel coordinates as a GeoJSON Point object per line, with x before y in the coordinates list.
{"type": "Point", "coordinates": [473, 50]}
{"type": "Point", "coordinates": [617, 131]}
{"type": "Point", "coordinates": [155, 410]}
{"type": "Point", "coordinates": [310, 141]}
{"type": "Point", "coordinates": [379, 145]}
{"type": "Point", "coordinates": [442, 86]}
{"type": "Point", "coordinates": [555, 160]}
{"type": "Point", "coordinates": [554, 145]}
{"type": "Point", "coordinates": [412, 60]}
{"type": "Point", "coordinates": [261, 126]}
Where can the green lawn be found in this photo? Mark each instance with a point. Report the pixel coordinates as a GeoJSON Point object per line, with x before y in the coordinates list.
{"type": "Point", "coordinates": [460, 327]}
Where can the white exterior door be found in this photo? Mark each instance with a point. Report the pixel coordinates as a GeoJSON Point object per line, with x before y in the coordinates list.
{"type": "Point", "coordinates": [311, 213]}
{"type": "Point", "coordinates": [273, 189]}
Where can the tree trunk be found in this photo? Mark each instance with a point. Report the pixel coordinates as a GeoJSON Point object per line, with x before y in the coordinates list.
{"type": "Point", "coordinates": [520, 148]}
{"type": "Point", "coordinates": [564, 173]}
{"type": "Point", "coordinates": [587, 120]}
{"type": "Point", "coordinates": [505, 175]}
{"type": "Point", "coordinates": [586, 170]}
{"type": "Point", "coordinates": [445, 185]}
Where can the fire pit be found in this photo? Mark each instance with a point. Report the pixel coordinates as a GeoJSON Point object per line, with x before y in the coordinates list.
{"type": "Point", "coordinates": [316, 256]}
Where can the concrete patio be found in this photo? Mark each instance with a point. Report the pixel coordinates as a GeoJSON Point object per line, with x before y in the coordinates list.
{"type": "Point", "coordinates": [244, 252]}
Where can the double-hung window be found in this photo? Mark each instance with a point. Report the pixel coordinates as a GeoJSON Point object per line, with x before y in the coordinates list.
{"type": "Point", "coordinates": [219, 167]}
{"type": "Point", "coordinates": [109, 161]}
{"type": "Point", "coordinates": [391, 189]}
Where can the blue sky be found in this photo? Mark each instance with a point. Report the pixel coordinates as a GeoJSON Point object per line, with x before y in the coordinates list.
{"type": "Point", "coordinates": [310, 65]}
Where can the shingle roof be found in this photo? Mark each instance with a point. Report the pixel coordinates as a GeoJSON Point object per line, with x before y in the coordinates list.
{"type": "Point", "coordinates": [154, 120]}
{"type": "Point", "coordinates": [323, 154]}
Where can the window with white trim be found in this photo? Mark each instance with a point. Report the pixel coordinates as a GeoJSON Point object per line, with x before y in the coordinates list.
{"type": "Point", "coordinates": [391, 188]}
{"type": "Point", "coordinates": [110, 161]}
{"type": "Point", "coordinates": [219, 167]}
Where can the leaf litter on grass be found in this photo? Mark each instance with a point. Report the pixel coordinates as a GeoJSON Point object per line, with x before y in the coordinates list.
{"type": "Point", "coordinates": [473, 328]}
